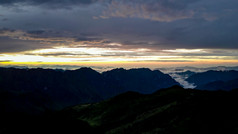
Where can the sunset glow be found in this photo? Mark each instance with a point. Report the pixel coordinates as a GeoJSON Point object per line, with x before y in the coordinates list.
{"type": "Point", "coordinates": [119, 34]}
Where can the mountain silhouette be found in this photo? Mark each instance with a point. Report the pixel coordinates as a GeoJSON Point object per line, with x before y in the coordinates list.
{"type": "Point", "coordinates": [141, 80]}
{"type": "Point", "coordinates": [167, 111]}
{"type": "Point", "coordinates": [38, 90]}
{"type": "Point", "coordinates": [214, 80]}
{"type": "Point", "coordinates": [220, 85]}
{"type": "Point", "coordinates": [47, 89]}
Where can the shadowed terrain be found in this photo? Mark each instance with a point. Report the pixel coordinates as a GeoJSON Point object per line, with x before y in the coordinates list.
{"type": "Point", "coordinates": [215, 80]}
{"type": "Point", "coordinates": [167, 111]}
{"type": "Point", "coordinates": [35, 91]}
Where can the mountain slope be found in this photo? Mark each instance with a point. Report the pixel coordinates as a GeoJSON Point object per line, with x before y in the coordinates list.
{"type": "Point", "coordinates": [220, 85]}
{"type": "Point", "coordinates": [167, 111]}
{"type": "Point", "coordinates": [26, 87]}
{"type": "Point", "coordinates": [141, 80]}
{"type": "Point", "coordinates": [211, 76]}
{"type": "Point", "coordinates": [39, 90]}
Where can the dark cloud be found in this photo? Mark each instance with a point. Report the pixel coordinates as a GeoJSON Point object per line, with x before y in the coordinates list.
{"type": "Point", "coordinates": [58, 54]}
{"type": "Point", "coordinates": [18, 40]}
{"type": "Point", "coordinates": [153, 24]}
{"type": "Point", "coordinates": [9, 45]}
{"type": "Point", "coordinates": [37, 32]}
{"type": "Point", "coordinates": [46, 2]}
{"type": "Point", "coordinates": [83, 38]}
{"type": "Point", "coordinates": [5, 61]}
{"type": "Point", "coordinates": [47, 34]}
{"type": "Point", "coordinates": [17, 5]}
{"type": "Point", "coordinates": [5, 19]}
{"type": "Point", "coordinates": [4, 30]}
{"type": "Point", "coordinates": [162, 10]}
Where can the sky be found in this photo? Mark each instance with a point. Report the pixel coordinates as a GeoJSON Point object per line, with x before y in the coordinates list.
{"type": "Point", "coordinates": [119, 33]}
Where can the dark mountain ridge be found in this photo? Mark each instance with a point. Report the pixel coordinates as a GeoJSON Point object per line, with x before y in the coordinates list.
{"type": "Point", "coordinates": [215, 80]}
{"type": "Point", "coordinates": [220, 85]}
{"type": "Point", "coordinates": [139, 80]}
{"type": "Point", "coordinates": [40, 89]}
{"type": "Point", "coordinates": [166, 111]}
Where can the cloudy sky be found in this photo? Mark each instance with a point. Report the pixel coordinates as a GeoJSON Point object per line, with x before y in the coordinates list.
{"type": "Point", "coordinates": [119, 32]}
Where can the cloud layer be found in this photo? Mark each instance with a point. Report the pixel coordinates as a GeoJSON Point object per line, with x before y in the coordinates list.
{"type": "Point", "coordinates": [163, 10]}
{"type": "Point", "coordinates": [154, 26]}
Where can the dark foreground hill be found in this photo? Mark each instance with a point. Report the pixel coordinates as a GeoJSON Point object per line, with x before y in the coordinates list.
{"type": "Point", "coordinates": [169, 111]}
{"type": "Point", "coordinates": [37, 90]}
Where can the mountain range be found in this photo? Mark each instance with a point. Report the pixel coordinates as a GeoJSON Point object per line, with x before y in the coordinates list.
{"type": "Point", "coordinates": [166, 111]}
{"type": "Point", "coordinates": [38, 90]}
{"type": "Point", "coordinates": [116, 101]}
{"type": "Point", "coordinates": [215, 80]}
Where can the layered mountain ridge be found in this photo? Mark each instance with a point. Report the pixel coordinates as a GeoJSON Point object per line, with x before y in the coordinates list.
{"type": "Point", "coordinates": [40, 89]}
{"type": "Point", "coordinates": [215, 80]}
{"type": "Point", "coordinates": [166, 111]}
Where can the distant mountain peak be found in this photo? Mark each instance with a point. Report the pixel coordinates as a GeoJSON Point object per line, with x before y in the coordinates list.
{"type": "Point", "coordinates": [84, 69]}
{"type": "Point", "coordinates": [214, 80]}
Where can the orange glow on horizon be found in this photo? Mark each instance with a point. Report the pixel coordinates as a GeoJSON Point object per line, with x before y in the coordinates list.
{"type": "Point", "coordinates": [127, 64]}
